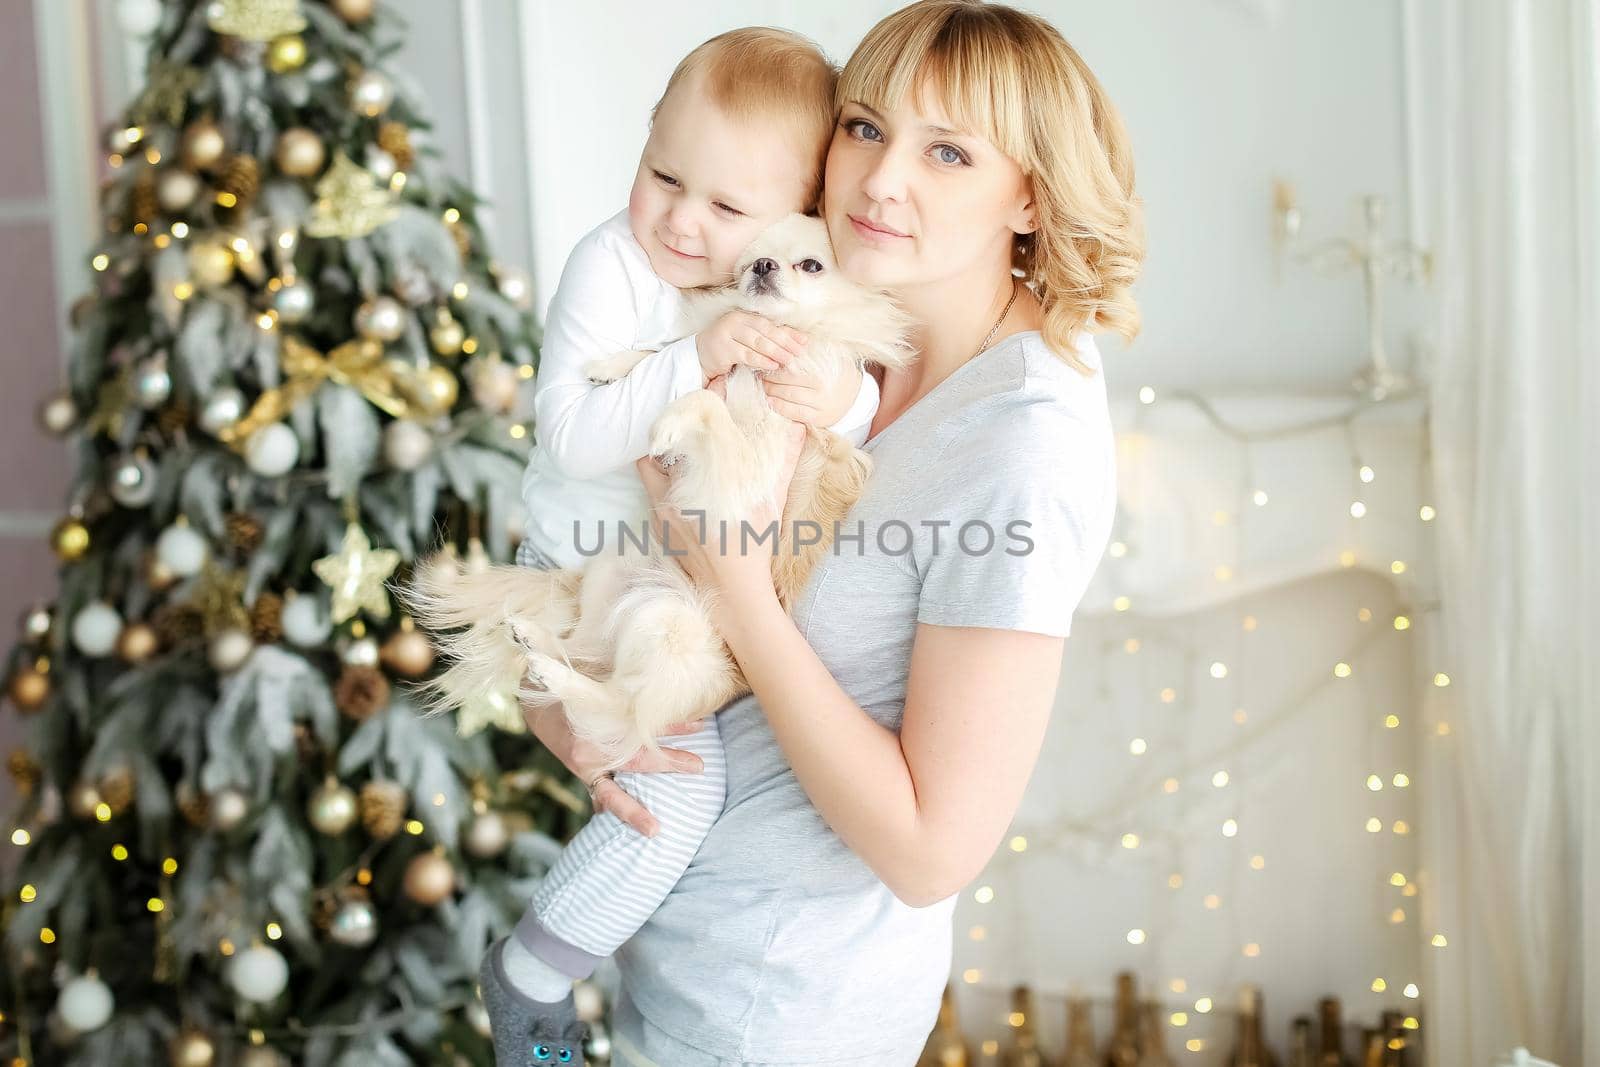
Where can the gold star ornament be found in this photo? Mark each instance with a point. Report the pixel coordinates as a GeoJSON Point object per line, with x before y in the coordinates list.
{"type": "Point", "coordinates": [356, 574]}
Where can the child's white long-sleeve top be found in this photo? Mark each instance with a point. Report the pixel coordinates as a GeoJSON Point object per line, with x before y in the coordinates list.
{"type": "Point", "coordinates": [580, 475]}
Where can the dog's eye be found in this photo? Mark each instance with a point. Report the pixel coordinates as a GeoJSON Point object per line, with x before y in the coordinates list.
{"type": "Point", "coordinates": [811, 266]}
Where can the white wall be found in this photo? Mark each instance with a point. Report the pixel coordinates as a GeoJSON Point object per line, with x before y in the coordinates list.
{"type": "Point", "coordinates": [1222, 97]}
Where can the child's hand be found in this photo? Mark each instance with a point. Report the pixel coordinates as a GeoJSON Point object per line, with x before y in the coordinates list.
{"type": "Point", "coordinates": [747, 338]}
{"type": "Point", "coordinates": [802, 398]}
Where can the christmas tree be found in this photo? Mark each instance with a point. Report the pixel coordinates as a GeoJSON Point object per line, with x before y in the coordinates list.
{"type": "Point", "coordinates": [238, 842]}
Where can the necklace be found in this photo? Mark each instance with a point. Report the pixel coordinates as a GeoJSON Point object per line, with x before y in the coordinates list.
{"type": "Point", "coordinates": [1001, 319]}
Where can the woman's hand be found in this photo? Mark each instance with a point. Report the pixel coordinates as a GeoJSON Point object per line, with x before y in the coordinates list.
{"type": "Point", "coordinates": [805, 398]}
{"type": "Point", "coordinates": [697, 546]}
{"type": "Point", "coordinates": [549, 725]}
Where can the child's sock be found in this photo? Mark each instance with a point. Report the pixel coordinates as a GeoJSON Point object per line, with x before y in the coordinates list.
{"type": "Point", "coordinates": [529, 1032]}
{"type": "Point", "coordinates": [532, 976]}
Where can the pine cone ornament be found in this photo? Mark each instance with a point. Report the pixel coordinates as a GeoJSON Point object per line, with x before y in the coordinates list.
{"type": "Point", "coordinates": [306, 748]}
{"type": "Point", "coordinates": [395, 139]}
{"type": "Point", "coordinates": [266, 619]}
{"type": "Point", "coordinates": [242, 178]}
{"type": "Point", "coordinates": [383, 808]}
{"type": "Point", "coordinates": [458, 230]}
{"type": "Point", "coordinates": [244, 531]}
{"type": "Point", "coordinates": [25, 771]}
{"type": "Point", "coordinates": [361, 692]}
{"type": "Point", "coordinates": [176, 623]}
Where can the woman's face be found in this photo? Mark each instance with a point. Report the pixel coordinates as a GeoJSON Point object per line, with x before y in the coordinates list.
{"type": "Point", "coordinates": [910, 200]}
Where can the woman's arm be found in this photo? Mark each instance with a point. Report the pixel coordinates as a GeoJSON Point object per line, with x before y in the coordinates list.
{"type": "Point", "coordinates": [924, 809]}
{"type": "Point", "coordinates": [927, 808]}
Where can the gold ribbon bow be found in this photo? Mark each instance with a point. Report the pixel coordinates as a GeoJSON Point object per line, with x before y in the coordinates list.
{"type": "Point", "coordinates": [357, 363]}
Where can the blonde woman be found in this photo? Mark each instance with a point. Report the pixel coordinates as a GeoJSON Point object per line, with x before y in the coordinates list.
{"type": "Point", "coordinates": [979, 172]}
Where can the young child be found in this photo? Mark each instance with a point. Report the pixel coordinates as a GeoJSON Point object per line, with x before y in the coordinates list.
{"type": "Point", "coordinates": [736, 143]}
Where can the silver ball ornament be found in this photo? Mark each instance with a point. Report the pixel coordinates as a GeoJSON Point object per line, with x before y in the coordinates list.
{"type": "Point", "coordinates": [354, 924]}
{"type": "Point", "coordinates": [259, 974]}
{"type": "Point", "coordinates": [361, 652]}
{"type": "Point", "coordinates": [58, 414]}
{"type": "Point", "coordinates": [223, 408]}
{"type": "Point", "coordinates": [487, 836]}
{"type": "Point", "coordinates": [515, 287]}
{"type": "Point", "coordinates": [406, 445]}
{"type": "Point", "coordinates": [381, 319]}
{"type": "Point", "coordinates": [333, 808]}
{"type": "Point", "coordinates": [229, 650]}
{"type": "Point", "coordinates": [85, 1003]}
{"type": "Point", "coordinates": [294, 301]}
{"type": "Point", "coordinates": [227, 808]}
{"type": "Point", "coordinates": [371, 94]}
{"type": "Point", "coordinates": [182, 549]}
{"type": "Point", "coordinates": [380, 163]}
{"type": "Point", "coordinates": [152, 383]}
{"type": "Point", "coordinates": [305, 620]}
{"type": "Point", "coordinates": [272, 451]}
{"type": "Point", "coordinates": [95, 629]}
{"type": "Point", "coordinates": [132, 480]}
{"type": "Point", "coordinates": [36, 623]}
{"type": "Point", "coordinates": [176, 189]}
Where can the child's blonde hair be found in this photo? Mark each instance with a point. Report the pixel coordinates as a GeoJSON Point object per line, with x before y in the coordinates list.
{"type": "Point", "coordinates": [761, 74]}
{"type": "Point", "coordinates": [1013, 78]}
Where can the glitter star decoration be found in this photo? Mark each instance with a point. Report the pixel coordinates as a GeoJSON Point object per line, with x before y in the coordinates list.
{"type": "Point", "coordinates": [256, 20]}
{"type": "Point", "coordinates": [498, 709]}
{"type": "Point", "coordinates": [219, 595]}
{"type": "Point", "coordinates": [356, 574]}
{"type": "Point", "coordinates": [166, 93]}
{"type": "Point", "coordinates": [349, 202]}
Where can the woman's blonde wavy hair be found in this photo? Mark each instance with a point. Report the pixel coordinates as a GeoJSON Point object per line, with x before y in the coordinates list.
{"type": "Point", "coordinates": [1013, 78]}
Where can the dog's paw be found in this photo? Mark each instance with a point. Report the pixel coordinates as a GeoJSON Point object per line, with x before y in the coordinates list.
{"type": "Point", "coordinates": [606, 369]}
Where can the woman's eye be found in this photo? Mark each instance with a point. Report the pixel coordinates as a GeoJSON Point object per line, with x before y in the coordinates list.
{"type": "Point", "coordinates": [959, 156]}
{"type": "Point", "coordinates": [664, 179]}
{"type": "Point", "coordinates": [862, 128]}
{"type": "Point", "coordinates": [811, 266]}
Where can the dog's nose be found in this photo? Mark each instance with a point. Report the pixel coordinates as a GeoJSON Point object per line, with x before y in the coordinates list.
{"type": "Point", "coordinates": [764, 267]}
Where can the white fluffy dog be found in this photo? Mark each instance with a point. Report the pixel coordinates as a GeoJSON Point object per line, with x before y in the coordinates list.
{"type": "Point", "coordinates": [627, 644]}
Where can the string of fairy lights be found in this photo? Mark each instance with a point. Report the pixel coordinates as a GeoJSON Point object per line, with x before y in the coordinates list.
{"type": "Point", "coordinates": [1114, 824]}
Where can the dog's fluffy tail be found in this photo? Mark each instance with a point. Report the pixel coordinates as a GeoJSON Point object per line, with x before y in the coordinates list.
{"type": "Point", "coordinates": [468, 614]}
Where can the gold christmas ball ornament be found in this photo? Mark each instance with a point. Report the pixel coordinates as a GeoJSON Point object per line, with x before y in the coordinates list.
{"type": "Point", "coordinates": [211, 263]}
{"type": "Point", "coordinates": [261, 1056]}
{"type": "Point", "coordinates": [195, 805]}
{"type": "Point", "coordinates": [408, 652]}
{"type": "Point", "coordinates": [353, 11]}
{"type": "Point", "coordinates": [300, 153]}
{"type": "Point", "coordinates": [446, 335]}
{"type": "Point", "coordinates": [429, 879]}
{"type": "Point", "coordinates": [438, 390]}
{"type": "Point", "coordinates": [29, 687]}
{"type": "Point", "coordinates": [494, 385]}
{"type": "Point", "coordinates": [83, 799]}
{"type": "Point", "coordinates": [203, 145]}
{"type": "Point", "coordinates": [58, 414]}
{"type": "Point", "coordinates": [382, 318]}
{"type": "Point", "coordinates": [117, 788]}
{"type": "Point", "coordinates": [137, 643]}
{"type": "Point", "coordinates": [70, 539]}
{"type": "Point", "coordinates": [332, 809]}
{"type": "Point", "coordinates": [192, 1048]}
{"type": "Point", "coordinates": [286, 53]}
{"type": "Point", "coordinates": [229, 649]}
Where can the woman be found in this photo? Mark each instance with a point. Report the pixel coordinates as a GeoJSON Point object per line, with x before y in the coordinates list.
{"type": "Point", "coordinates": [895, 719]}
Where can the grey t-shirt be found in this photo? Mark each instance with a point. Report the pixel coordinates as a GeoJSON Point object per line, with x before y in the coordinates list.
{"type": "Point", "coordinates": [779, 944]}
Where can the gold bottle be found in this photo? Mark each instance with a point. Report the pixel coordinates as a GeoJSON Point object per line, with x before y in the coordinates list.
{"type": "Point", "coordinates": [1152, 1049]}
{"type": "Point", "coordinates": [1024, 1050]}
{"type": "Point", "coordinates": [1330, 1052]}
{"type": "Point", "coordinates": [946, 1046]}
{"type": "Point", "coordinates": [1080, 1035]}
{"type": "Point", "coordinates": [1250, 1048]}
{"type": "Point", "coordinates": [1123, 1051]}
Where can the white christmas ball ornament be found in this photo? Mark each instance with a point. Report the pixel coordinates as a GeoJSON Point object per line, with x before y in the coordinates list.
{"type": "Point", "coordinates": [95, 629]}
{"type": "Point", "coordinates": [272, 451]}
{"type": "Point", "coordinates": [305, 621]}
{"type": "Point", "coordinates": [139, 18]}
{"type": "Point", "coordinates": [381, 319]}
{"type": "Point", "coordinates": [223, 408]}
{"type": "Point", "coordinates": [182, 550]}
{"type": "Point", "coordinates": [259, 974]}
{"type": "Point", "coordinates": [406, 445]}
{"type": "Point", "coordinates": [85, 1003]}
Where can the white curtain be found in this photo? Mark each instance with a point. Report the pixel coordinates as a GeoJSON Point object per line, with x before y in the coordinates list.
{"type": "Point", "coordinates": [1510, 96]}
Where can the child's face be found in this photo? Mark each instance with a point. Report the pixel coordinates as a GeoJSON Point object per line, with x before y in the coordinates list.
{"type": "Point", "coordinates": [707, 186]}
